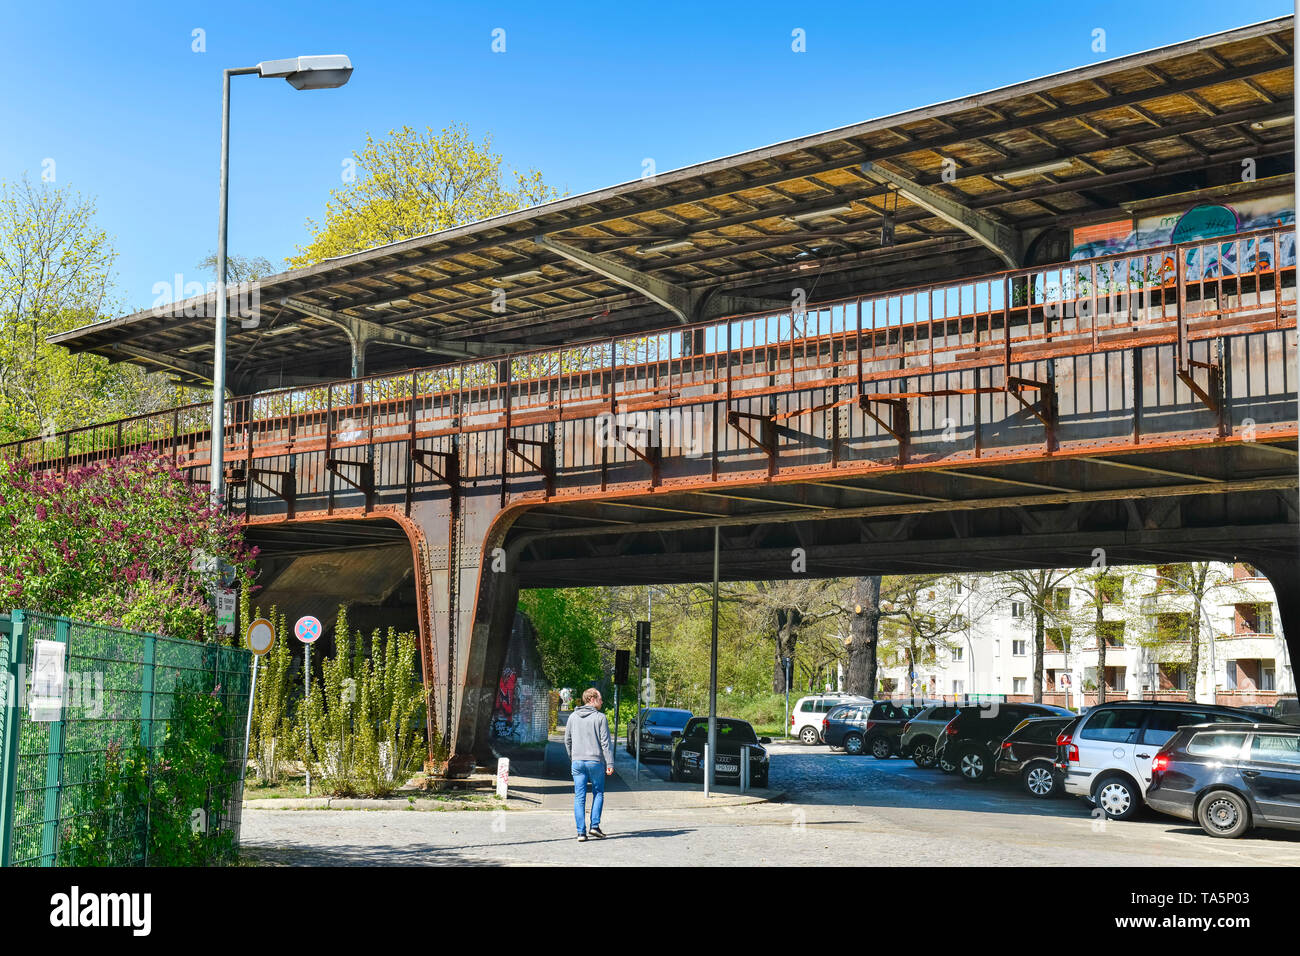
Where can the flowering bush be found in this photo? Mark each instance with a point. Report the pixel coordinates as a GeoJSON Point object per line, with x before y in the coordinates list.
{"type": "Point", "coordinates": [114, 543]}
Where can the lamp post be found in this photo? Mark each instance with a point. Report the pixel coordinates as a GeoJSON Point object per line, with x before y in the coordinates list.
{"type": "Point", "coordinates": [302, 73]}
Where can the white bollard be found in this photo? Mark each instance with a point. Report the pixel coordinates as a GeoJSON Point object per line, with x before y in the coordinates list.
{"type": "Point", "coordinates": [707, 768]}
{"type": "Point", "coordinates": [503, 776]}
{"type": "Point", "coordinates": [744, 769]}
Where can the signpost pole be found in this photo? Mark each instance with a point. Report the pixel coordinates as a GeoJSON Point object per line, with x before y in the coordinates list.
{"type": "Point", "coordinates": [306, 684]}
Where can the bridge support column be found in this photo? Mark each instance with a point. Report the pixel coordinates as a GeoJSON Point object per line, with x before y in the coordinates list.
{"type": "Point", "coordinates": [494, 617]}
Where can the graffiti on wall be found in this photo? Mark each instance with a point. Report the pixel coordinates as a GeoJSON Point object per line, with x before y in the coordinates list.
{"type": "Point", "coordinates": [1208, 221]}
{"type": "Point", "coordinates": [506, 706]}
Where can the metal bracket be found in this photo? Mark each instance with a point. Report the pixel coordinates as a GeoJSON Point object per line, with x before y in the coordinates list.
{"type": "Point", "coordinates": [547, 464]}
{"type": "Point", "coordinates": [1211, 397]}
{"type": "Point", "coordinates": [1044, 409]}
{"type": "Point", "coordinates": [450, 473]}
{"type": "Point", "coordinates": [365, 480]}
{"type": "Point", "coordinates": [899, 424]}
{"type": "Point", "coordinates": [765, 439]}
{"type": "Point", "coordinates": [287, 492]}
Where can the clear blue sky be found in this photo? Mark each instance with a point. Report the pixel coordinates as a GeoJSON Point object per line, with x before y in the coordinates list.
{"type": "Point", "coordinates": [584, 92]}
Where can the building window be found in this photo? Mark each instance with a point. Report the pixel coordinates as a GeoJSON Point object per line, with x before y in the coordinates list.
{"type": "Point", "coordinates": [997, 648]}
{"type": "Point", "coordinates": [1056, 639]}
{"type": "Point", "coordinates": [1019, 648]}
{"type": "Point", "coordinates": [1017, 608]}
{"type": "Point", "coordinates": [1267, 678]}
{"type": "Point", "coordinates": [959, 653]}
{"type": "Point", "coordinates": [958, 687]}
{"type": "Point", "coordinates": [1112, 632]}
{"type": "Point", "coordinates": [1018, 685]}
{"type": "Point", "coordinates": [1061, 599]}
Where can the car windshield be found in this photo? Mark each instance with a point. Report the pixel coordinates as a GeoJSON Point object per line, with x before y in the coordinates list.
{"type": "Point", "coordinates": [666, 718]}
{"type": "Point", "coordinates": [736, 731]}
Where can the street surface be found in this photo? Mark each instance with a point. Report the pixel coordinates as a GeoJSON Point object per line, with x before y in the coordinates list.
{"type": "Point", "coordinates": [837, 809]}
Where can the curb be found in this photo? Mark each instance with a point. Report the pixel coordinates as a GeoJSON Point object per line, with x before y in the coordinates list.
{"type": "Point", "coordinates": [332, 803]}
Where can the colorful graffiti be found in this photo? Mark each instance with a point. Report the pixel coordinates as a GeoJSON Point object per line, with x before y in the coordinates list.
{"type": "Point", "coordinates": [1207, 221]}
{"type": "Point", "coordinates": [506, 705]}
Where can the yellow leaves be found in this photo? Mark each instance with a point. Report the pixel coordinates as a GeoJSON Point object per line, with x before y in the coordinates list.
{"type": "Point", "coordinates": [414, 182]}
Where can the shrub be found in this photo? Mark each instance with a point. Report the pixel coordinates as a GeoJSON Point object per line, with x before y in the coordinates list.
{"type": "Point", "coordinates": [365, 718]}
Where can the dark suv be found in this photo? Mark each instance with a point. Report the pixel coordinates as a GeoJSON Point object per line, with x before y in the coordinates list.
{"type": "Point", "coordinates": [869, 728]}
{"type": "Point", "coordinates": [973, 739]}
{"type": "Point", "coordinates": [1030, 753]}
{"type": "Point", "coordinates": [1229, 777]}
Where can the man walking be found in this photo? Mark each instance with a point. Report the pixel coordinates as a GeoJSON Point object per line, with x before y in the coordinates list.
{"type": "Point", "coordinates": [586, 738]}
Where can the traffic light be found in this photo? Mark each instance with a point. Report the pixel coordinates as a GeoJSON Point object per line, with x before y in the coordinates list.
{"type": "Point", "coordinates": [642, 643]}
{"type": "Point", "coordinates": [621, 662]}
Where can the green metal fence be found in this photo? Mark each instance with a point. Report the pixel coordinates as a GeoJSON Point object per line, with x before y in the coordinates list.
{"type": "Point", "coordinates": [121, 688]}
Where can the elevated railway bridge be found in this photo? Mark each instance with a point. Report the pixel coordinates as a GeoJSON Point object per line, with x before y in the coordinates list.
{"type": "Point", "coordinates": [844, 359]}
{"type": "Point", "coordinates": [1021, 418]}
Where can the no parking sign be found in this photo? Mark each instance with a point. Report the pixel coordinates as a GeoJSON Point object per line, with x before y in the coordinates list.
{"type": "Point", "coordinates": [307, 629]}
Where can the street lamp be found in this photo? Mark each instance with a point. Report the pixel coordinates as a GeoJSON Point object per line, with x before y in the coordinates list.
{"type": "Point", "coordinates": [302, 73]}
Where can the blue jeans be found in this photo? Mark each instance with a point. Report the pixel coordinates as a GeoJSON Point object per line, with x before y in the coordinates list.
{"type": "Point", "coordinates": [583, 771]}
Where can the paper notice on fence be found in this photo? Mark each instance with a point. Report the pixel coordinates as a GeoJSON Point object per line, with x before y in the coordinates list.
{"type": "Point", "coordinates": [45, 702]}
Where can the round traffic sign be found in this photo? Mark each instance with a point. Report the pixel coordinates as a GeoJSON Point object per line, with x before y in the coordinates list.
{"type": "Point", "coordinates": [307, 629]}
{"type": "Point", "coordinates": [260, 636]}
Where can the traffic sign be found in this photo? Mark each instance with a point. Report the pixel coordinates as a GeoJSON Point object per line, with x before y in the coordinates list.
{"type": "Point", "coordinates": [227, 603]}
{"type": "Point", "coordinates": [307, 629]}
{"type": "Point", "coordinates": [260, 636]}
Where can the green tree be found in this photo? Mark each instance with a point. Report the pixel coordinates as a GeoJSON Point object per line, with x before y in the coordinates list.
{"type": "Point", "coordinates": [413, 183]}
{"type": "Point", "coordinates": [571, 624]}
{"type": "Point", "coordinates": [55, 275]}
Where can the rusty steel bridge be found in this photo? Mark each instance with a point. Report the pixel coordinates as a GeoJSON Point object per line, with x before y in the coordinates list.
{"type": "Point", "coordinates": [1142, 403]}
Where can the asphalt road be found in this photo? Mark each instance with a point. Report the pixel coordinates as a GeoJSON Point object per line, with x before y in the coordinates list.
{"type": "Point", "coordinates": [837, 809]}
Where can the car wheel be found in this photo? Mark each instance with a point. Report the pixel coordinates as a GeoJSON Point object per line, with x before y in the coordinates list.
{"type": "Point", "coordinates": [923, 753]}
{"type": "Point", "coordinates": [853, 744]}
{"type": "Point", "coordinates": [944, 764]}
{"type": "Point", "coordinates": [1221, 813]}
{"type": "Point", "coordinates": [881, 749]}
{"type": "Point", "coordinates": [1039, 780]}
{"type": "Point", "coordinates": [809, 736]}
{"type": "Point", "coordinates": [1117, 796]}
{"type": "Point", "coordinates": [974, 765]}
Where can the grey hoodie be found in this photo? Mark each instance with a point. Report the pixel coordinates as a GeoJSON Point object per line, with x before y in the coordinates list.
{"type": "Point", "coordinates": [586, 736]}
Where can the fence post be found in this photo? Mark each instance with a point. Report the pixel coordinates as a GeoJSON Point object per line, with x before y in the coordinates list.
{"type": "Point", "coordinates": [146, 691]}
{"type": "Point", "coordinates": [54, 767]}
{"type": "Point", "coordinates": [11, 674]}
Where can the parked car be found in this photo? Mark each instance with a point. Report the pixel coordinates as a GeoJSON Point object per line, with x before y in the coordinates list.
{"type": "Point", "coordinates": [807, 714]}
{"type": "Point", "coordinates": [733, 737]}
{"type": "Point", "coordinates": [1106, 757]}
{"type": "Point", "coordinates": [658, 724]}
{"type": "Point", "coordinates": [1229, 777]}
{"type": "Point", "coordinates": [868, 728]}
{"type": "Point", "coordinates": [973, 739]}
{"type": "Point", "coordinates": [920, 733]}
{"type": "Point", "coordinates": [1030, 753]}
{"type": "Point", "coordinates": [1286, 710]}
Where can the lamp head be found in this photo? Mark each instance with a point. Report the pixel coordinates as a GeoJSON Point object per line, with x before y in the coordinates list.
{"type": "Point", "coordinates": [310, 72]}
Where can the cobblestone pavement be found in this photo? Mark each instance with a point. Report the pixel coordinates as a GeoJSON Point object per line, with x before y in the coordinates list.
{"type": "Point", "coordinates": [838, 809]}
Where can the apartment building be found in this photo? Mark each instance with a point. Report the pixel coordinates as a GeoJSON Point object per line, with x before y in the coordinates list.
{"type": "Point", "coordinates": [1146, 619]}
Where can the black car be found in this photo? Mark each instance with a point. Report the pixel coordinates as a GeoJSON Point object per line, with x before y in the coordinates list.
{"type": "Point", "coordinates": [734, 736]}
{"type": "Point", "coordinates": [973, 739]}
{"type": "Point", "coordinates": [1286, 710]}
{"type": "Point", "coordinates": [1229, 777]}
{"type": "Point", "coordinates": [658, 724]}
{"type": "Point", "coordinates": [869, 728]}
{"type": "Point", "coordinates": [1030, 753]}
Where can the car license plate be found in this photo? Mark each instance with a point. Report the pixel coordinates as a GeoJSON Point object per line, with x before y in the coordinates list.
{"type": "Point", "coordinates": [726, 768]}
